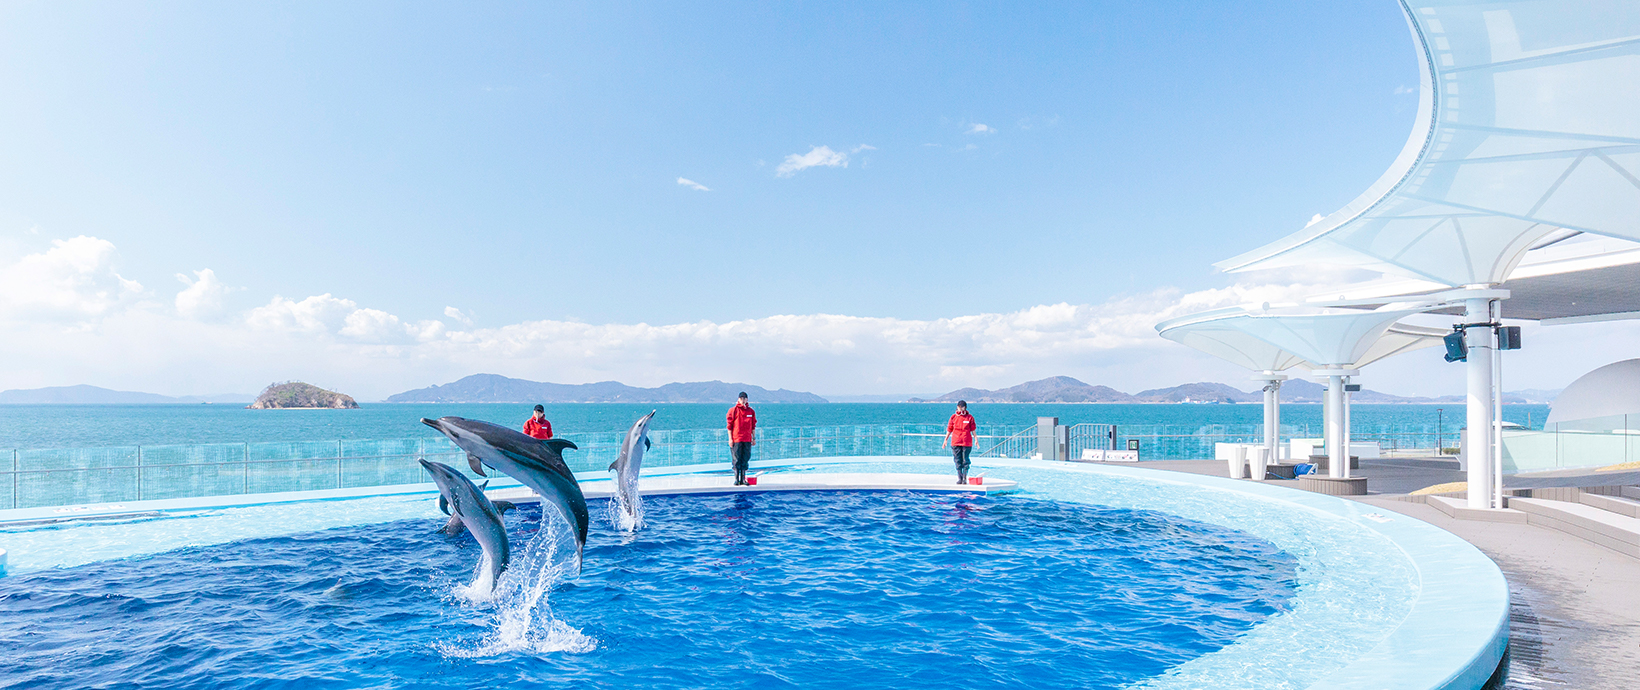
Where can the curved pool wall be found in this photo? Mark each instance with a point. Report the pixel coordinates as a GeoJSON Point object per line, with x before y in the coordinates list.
{"type": "Point", "coordinates": [1384, 600]}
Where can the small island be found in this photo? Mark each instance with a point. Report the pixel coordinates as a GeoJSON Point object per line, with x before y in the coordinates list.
{"type": "Point", "coordinates": [295, 395]}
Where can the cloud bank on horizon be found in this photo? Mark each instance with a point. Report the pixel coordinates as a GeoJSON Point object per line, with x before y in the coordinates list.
{"type": "Point", "coordinates": [72, 318]}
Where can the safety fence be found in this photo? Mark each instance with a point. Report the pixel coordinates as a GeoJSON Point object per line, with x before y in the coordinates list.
{"type": "Point", "coordinates": [31, 478]}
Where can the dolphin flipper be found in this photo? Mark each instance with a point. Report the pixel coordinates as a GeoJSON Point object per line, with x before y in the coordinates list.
{"type": "Point", "coordinates": [476, 465]}
{"type": "Point", "coordinates": [443, 505]}
{"type": "Point", "coordinates": [454, 526]}
{"type": "Point", "coordinates": [558, 445]}
{"type": "Point", "coordinates": [646, 443]}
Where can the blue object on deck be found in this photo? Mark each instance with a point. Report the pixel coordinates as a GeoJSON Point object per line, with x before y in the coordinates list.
{"type": "Point", "coordinates": [1302, 469]}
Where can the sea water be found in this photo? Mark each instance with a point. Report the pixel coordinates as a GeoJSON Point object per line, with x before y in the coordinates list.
{"type": "Point", "coordinates": [76, 426]}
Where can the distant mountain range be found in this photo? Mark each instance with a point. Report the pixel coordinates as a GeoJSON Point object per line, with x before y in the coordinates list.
{"type": "Point", "coordinates": [92, 395]}
{"type": "Point", "coordinates": [1064, 389]}
{"type": "Point", "coordinates": [491, 388]}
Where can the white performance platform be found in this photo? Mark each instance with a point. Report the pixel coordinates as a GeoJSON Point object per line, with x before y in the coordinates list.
{"type": "Point", "coordinates": [672, 485]}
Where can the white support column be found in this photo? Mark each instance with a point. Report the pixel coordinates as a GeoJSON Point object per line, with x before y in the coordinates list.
{"type": "Point", "coordinates": [1272, 413]}
{"type": "Point", "coordinates": [1347, 436]}
{"type": "Point", "coordinates": [1478, 443]}
{"type": "Point", "coordinates": [1338, 451]}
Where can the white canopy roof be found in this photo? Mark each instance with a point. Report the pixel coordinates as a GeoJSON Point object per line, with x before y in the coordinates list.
{"type": "Point", "coordinates": [1265, 340]}
{"type": "Point", "coordinates": [1528, 122]}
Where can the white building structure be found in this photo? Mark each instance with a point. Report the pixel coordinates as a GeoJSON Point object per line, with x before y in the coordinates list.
{"type": "Point", "coordinates": [1331, 343]}
{"type": "Point", "coordinates": [1527, 133]}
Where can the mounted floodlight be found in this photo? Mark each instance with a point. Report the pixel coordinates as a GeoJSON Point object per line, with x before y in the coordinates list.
{"type": "Point", "coordinates": [1456, 350]}
{"type": "Point", "coordinates": [1509, 337]}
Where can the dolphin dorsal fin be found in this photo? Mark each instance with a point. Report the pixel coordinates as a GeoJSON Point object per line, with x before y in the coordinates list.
{"type": "Point", "coordinates": [485, 486]}
{"type": "Point", "coordinates": [613, 464]}
{"type": "Point", "coordinates": [558, 445]}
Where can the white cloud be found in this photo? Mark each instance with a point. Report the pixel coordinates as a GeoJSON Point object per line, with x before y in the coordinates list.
{"type": "Point", "coordinates": [72, 281]}
{"type": "Point", "coordinates": [864, 147]}
{"type": "Point", "coordinates": [371, 353]}
{"type": "Point", "coordinates": [978, 128]}
{"type": "Point", "coordinates": [204, 296]}
{"type": "Point", "coordinates": [817, 157]}
{"type": "Point", "coordinates": [1315, 219]}
{"type": "Point", "coordinates": [1403, 90]}
{"type": "Point", "coordinates": [693, 185]}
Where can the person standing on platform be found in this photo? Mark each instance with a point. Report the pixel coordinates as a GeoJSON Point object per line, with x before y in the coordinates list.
{"type": "Point", "coordinates": [959, 434]}
{"type": "Point", "coordinates": [538, 426]}
{"type": "Point", "coordinates": [742, 429]}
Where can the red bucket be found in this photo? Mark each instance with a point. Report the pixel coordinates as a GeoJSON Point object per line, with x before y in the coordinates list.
{"type": "Point", "coordinates": [976, 481]}
{"type": "Point", "coordinates": [751, 481]}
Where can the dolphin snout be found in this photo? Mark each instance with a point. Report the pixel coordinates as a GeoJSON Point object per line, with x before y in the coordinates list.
{"type": "Point", "coordinates": [430, 422]}
{"type": "Point", "coordinates": [425, 465]}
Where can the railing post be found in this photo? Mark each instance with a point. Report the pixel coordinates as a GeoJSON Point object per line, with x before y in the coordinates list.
{"type": "Point", "coordinates": [139, 473]}
{"type": "Point", "coordinates": [338, 463]}
{"type": "Point", "coordinates": [246, 488]}
{"type": "Point", "coordinates": [16, 483]}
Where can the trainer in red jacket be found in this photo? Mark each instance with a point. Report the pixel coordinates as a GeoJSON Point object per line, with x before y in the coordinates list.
{"type": "Point", "coordinates": [742, 421]}
{"type": "Point", "coordinates": [959, 432]}
{"type": "Point", "coordinates": [538, 426]}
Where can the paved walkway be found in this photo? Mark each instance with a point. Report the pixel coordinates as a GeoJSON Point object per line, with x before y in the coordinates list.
{"type": "Point", "coordinates": [1575, 609]}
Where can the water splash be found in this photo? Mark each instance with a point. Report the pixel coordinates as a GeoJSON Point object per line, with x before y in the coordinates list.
{"type": "Point", "coordinates": [624, 517]}
{"type": "Point", "coordinates": [523, 620]}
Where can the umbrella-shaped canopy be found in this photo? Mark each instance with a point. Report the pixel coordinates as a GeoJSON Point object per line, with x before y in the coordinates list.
{"type": "Point", "coordinates": [1274, 340]}
{"type": "Point", "coordinates": [1527, 124]}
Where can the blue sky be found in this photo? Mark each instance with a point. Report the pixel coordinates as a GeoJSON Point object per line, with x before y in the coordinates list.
{"type": "Point", "coordinates": [480, 169]}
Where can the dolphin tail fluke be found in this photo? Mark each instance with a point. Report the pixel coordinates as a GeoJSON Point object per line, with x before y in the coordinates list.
{"type": "Point", "coordinates": [558, 445]}
{"type": "Point", "coordinates": [478, 467]}
{"type": "Point", "coordinates": [503, 506]}
{"type": "Point", "coordinates": [454, 526]}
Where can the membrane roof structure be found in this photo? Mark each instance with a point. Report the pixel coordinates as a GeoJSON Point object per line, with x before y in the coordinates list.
{"type": "Point", "coordinates": [1527, 132]}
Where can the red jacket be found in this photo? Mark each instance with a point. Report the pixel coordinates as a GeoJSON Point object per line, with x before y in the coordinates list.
{"type": "Point", "coordinates": [541, 430]}
{"type": "Point", "coordinates": [961, 428]}
{"type": "Point", "coordinates": [742, 423]}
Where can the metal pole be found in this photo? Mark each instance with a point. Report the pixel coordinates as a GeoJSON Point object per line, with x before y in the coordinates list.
{"type": "Point", "coordinates": [338, 463]}
{"type": "Point", "coordinates": [247, 480]}
{"type": "Point", "coordinates": [1478, 402]}
{"type": "Point", "coordinates": [139, 473]}
{"type": "Point", "coordinates": [16, 485]}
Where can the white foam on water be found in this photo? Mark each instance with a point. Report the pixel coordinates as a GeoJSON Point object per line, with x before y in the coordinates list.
{"type": "Point", "coordinates": [624, 517]}
{"type": "Point", "coordinates": [523, 619]}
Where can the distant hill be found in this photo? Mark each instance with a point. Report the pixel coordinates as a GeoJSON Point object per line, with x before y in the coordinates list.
{"type": "Point", "coordinates": [1058, 389]}
{"type": "Point", "coordinates": [1064, 389]}
{"type": "Point", "coordinates": [1197, 392]}
{"type": "Point", "coordinates": [295, 395]}
{"type": "Point", "coordinates": [93, 395]}
{"type": "Point", "coordinates": [491, 388]}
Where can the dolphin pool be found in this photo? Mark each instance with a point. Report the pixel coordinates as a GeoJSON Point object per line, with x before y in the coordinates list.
{"type": "Point", "coordinates": [1088, 577]}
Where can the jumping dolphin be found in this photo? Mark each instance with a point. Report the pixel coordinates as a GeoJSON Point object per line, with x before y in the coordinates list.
{"type": "Point", "coordinates": [538, 464]}
{"type": "Point", "coordinates": [469, 508]}
{"type": "Point", "coordinates": [626, 468]}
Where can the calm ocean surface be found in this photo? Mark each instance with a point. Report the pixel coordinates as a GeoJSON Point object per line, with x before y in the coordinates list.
{"type": "Point", "coordinates": [75, 426]}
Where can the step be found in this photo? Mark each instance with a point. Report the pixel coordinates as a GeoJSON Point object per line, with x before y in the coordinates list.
{"type": "Point", "coordinates": [1619, 533]}
{"type": "Point", "coordinates": [1614, 504]}
{"type": "Point", "coordinates": [1459, 508]}
{"type": "Point", "coordinates": [682, 484]}
{"type": "Point", "coordinates": [1631, 492]}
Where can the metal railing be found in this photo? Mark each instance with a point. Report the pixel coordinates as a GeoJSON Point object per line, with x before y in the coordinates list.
{"type": "Point", "coordinates": [53, 477]}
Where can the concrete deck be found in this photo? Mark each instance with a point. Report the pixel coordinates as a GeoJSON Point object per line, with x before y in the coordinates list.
{"type": "Point", "coordinates": [1575, 609]}
{"type": "Point", "coordinates": [676, 485]}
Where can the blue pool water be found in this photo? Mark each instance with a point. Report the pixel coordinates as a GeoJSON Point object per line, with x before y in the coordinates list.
{"type": "Point", "coordinates": [766, 590]}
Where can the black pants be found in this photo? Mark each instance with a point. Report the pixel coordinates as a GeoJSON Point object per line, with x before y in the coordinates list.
{"type": "Point", "coordinates": [742, 454]}
{"type": "Point", "coordinates": [959, 455]}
